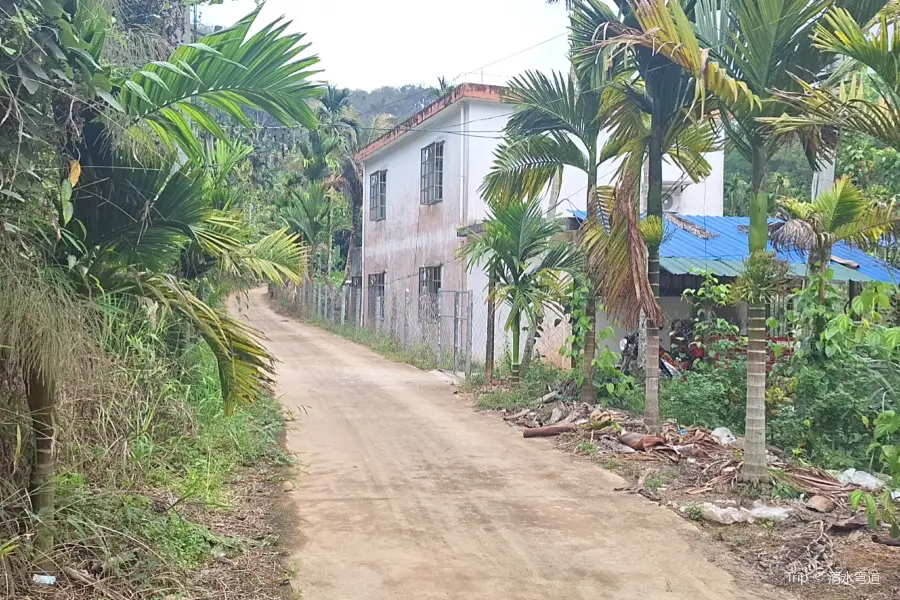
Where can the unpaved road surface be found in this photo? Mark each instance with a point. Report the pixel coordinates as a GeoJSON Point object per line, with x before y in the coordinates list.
{"type": "Point", "coordinates": [409, 494]}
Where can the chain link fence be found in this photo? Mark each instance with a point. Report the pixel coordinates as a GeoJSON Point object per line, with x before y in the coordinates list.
{"type": "Point", "coordinates": [446, 328]}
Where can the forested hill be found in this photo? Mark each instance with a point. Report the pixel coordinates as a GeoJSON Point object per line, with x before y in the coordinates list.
{"type": "Point", "coordinates": [396, 101]}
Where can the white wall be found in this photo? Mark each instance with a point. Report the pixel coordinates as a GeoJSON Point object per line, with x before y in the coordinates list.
{"type": "Point", "coordinates": [412, 235]}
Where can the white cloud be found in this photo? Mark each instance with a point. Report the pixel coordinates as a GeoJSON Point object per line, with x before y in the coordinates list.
{"type": "Point", "coordinates": [364, 44]}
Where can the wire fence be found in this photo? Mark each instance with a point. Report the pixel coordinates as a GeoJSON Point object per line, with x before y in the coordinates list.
{"type": "Point", "coordinates": [447, 329]}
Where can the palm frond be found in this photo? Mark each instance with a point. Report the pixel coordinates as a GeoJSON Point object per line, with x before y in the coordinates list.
{"type": "Point", "coordinates": [245, 366]}
{"type": "Point", "coordinates": [140, 215]}
{"type": "Point", "coordinates": [545, 105]}
{"type": "Point", "coordinates": [617, 258]}
{"type": "Point", "coordinates": [841, 214]}
{"type": "Point", "coordinates": [227, 71]}
{"type": "Point", "coordinates": [306, 213]}
{"type": "Point", "coordinates": [518, 247]}
{"type": "Point", "coordinates": [523, 167]}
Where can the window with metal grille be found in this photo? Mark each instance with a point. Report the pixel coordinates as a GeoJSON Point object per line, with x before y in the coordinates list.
{"type": "Point", "coordinates": [376, 296]}
{"type": "Point", "coordinates": [377, 195]}
{"type": "Point", "coordinates": [429, 292]}
{"type": "Point", "coordinates": [431, 189]}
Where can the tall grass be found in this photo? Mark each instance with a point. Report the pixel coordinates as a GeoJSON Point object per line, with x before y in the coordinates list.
{"type": "Point", "coordinates": [140, 449]}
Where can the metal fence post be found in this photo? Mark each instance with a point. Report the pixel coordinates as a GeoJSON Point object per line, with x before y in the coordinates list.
{"type": "Point", "coordinates": [469, 327]}
{"type": "Point", "coordinates": [440, 331]}
{"type": "Point", "coordinates": [455, 331]}
{"type": "Point", "coordinates": [343, 306]}
{"type": "Point", "coordinates": [406, 318]}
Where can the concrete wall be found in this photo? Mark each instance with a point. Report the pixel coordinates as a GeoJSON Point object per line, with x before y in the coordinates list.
{"type": "Point", "coordinates": [414, 235]}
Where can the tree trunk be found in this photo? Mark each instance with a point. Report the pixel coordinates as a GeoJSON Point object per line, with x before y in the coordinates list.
{"type": "Point", "coordinates": [824, 263]}
{"type": "Point", "coordinates": [588, 394]}
{"type": "Point", "coordinates": [530, 341]}
{"type": "Point", "coordinates": [754, 470]}
{"type": "Point", "coordinates": [41, 399]}
{"type": "Point", "coordinates": [755, 436]}
{"type": "Point", "coordinates": [651, 364]}
{"type": "Point", "coordinates": [516, 333]}
{"type": "Point", "coordinates": [491, 325]}
{"type": "Point", "coordinates": [651, 357]}
{"type": "Point", "coordinates": [590, 339]}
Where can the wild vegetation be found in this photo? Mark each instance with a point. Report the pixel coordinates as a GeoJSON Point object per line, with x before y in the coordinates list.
{"type": "Point", "coordinates": [131, 394]}
{"type": "Point", "coordinates": [816, 77]}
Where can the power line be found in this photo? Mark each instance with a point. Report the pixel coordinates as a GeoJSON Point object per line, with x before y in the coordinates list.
{"type": "Point", "coordinates": [499, 60]}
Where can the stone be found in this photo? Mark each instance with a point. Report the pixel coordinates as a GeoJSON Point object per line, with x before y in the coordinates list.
{"type": "Point", "coordinates": [555, 416]}
{"type": "Point", "coordinates": [287, 485]}
{"type": "Point", "coordinates": [866, 481]}
{"type": "Point", "coordinates": [821, 504]}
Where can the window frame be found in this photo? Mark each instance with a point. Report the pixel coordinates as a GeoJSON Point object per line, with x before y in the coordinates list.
{"type": "Point", "coordinates": [378, 195]}
{"type": "Point", "coordinates": [431, 174]}
{"type": "Point", "coordinates": [376, 288]}
{"type": "Point", "coordinates": [430, 280]}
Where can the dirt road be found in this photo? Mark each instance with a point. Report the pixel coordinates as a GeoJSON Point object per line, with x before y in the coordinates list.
{"type": "Point", "coordinates": [409, 494]}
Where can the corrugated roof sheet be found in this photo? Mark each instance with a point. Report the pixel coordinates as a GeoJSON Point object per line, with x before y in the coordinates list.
{"type": "Point", "coordinates": [725, 249]}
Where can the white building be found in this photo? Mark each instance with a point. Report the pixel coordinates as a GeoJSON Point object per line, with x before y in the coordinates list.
{"type": "Point", "coordinates": [423, 179]}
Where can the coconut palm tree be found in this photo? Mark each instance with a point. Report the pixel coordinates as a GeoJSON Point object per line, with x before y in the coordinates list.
{"type": "Point", "coordinates": [652, 118]}
{"type": "Point", "coordinates": [742, 51]}
{"type": "Point", "coordinates": [530, 267]}
{"type": "Point", "coordinates": [841, 214]}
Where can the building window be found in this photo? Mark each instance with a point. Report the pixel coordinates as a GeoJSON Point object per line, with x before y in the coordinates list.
{"type": "Point", "coordinates": [432, 183]}
{"type": "Point", "coordinates": [429, 292]}
{"type": "Point", "coordinates": [377, 195]}
{"type": "Point", "coordinates": [376, 297]}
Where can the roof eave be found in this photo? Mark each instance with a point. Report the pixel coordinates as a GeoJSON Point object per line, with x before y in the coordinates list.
{"type": "Point", "coordinates": [465, 91]}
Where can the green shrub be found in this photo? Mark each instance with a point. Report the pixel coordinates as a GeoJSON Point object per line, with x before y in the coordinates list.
{"type": "Point", "coordinates": [711, 395]}
{"type": "Point", "coordinates": [536, 380]}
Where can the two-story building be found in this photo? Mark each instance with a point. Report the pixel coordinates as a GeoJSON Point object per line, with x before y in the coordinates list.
{"type": "Point", "coordinates": [423, 186]}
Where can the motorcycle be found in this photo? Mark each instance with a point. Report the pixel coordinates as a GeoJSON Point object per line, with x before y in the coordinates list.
{"type": "Point", "coordinates": [629, 361]}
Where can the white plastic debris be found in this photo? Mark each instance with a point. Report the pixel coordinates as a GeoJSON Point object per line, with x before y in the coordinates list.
{"type": "Point", "coordinates": [726, 516]}
{"type": "Point", "coordinates": [866, 481]}
{"type": "Point", "coordinates": [723, 435]}
{"type": "Point", "coordinates": [43, 579]}
{"type": "Point", "coordinates": [771, 513]}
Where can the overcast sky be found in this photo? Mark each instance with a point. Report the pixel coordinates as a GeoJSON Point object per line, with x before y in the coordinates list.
{"type": "Point", "coordinates": [365, 44]}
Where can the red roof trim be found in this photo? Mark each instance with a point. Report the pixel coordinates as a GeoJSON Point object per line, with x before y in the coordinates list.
{"type": "Point", "coordinates": [474, 91]}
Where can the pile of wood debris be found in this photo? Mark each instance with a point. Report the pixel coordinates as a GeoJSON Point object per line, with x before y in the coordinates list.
{"type": "Point", "coordinates": [716, 461]}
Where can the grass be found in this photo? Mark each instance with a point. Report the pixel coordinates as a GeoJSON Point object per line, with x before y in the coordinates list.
{"type": "Point", "coordinates": [536, 381]}
{"type": "Point", "coordinates": [418, 355]}
{"type": "Point", "coordinates": [146, 456]}
{"type": "Point", "coordinates": [586, 448]}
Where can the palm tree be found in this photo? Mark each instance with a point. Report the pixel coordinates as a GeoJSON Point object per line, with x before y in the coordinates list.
{"type": "Point", "coordinates": [652, 118]}
{"type": "Point", "coordinates": [517, 247]}
{"type": "Point", "coordinates": [126, 221]}
{"type": "Point", "coordinates": [841, 214]}
{"type": "Point", "coordinates": [310, 215]}
{"type": "Point", "coordinates": [753, 47]}
{"type": "Point", "coordinates": [556, 123]}
{"type": "Point", "coordinates": [857, 43]}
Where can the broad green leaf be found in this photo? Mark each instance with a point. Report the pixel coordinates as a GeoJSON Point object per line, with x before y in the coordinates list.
{"type": "Point", "coordinates": [110, 99]}
{"type": "Point", "coordinates": [65, 192]}
{"type": "Point", "coordinates": [67, 212]}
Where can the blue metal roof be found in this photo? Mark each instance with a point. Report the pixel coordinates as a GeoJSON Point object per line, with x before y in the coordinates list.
{"type": "Point", "coordinates": [727, 243]}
